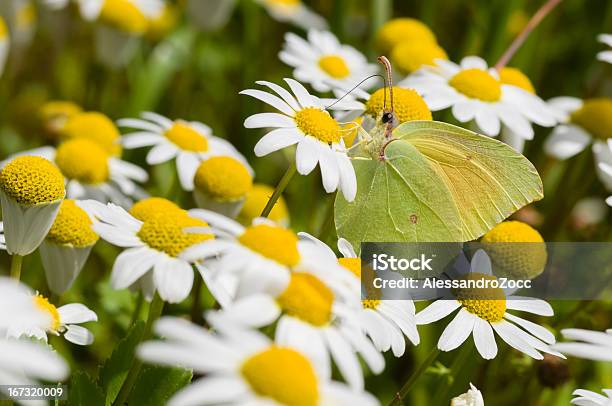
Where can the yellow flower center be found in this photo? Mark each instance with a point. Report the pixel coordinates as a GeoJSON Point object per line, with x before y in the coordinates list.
{"type": "Point", "coordinates": [409, 56]}
{"type": "Point", "coordinates": [319, 124]}
{"type": "Point", "coordinates": [223, 178]}
{"type": "Point", "coordinates": [477, 84]}
{"type": "Point", "coordinates": [402, 30]}
{"type": "Point", "coordinates": [334, 66]}
{"type": "Point", "coordinates": [43, 304]}
{"type": "Point", "coordinates": [186, 138]}
{"type": "Point", "coordinates": [96, 127]}
{"type": "Point", "coordinates": [408, 105]}
{"type": "Point", "coordinates": [55, 114]}
{"type": "Point", "coordinates": [83, 160]}
{"type": "Point", "coordinates": [255, 202]}
{"type": "Point", "coordinates": [151, 206]}
{"type": "Point", "coordinates": [276, 243]}
{"type": "Point", "coordinates": [124, 15]}
{"type": "Point", "coordinates": [595, 116]}
{"type": "Point", "coordinates": [308, 299]}
{"type": "Point", "coordinates": [370, 303]}
{"type": "Point", "coordinates": [487, 303]}
{"type": "Point", "coordinates": [514, 77]}
{"type": "Point", "coordinates": [352, 264]}
{"type": "Point", "coordinates": [516, 250]}
{"type": "Point", "coordinates": [32, 180]}
{"type": "Point", "coordinates": [165, 232]}
{"type": "Point", "coordinates": [72, 226]}
{"type": "Point", "coordinates": [282, 374]}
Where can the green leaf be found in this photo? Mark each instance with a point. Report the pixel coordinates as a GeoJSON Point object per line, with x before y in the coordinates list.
{"type": "Point", "coordinates": [437, 182]}
{"type": "Point", "coordinates": [155, 385]}
{"type": "Point", "coordinates": [115, 369]}
{"type": "Point", "coordinates": [84, 391]}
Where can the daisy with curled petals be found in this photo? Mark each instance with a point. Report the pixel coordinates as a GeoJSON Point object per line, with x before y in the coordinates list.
{"type": "Point", "coordinates": [472, 397]}
{"type": "Point", "coordinates": [243, 367]}
{"type": "Point", "coordinates": [477, 94]}
{"type": "Point", "coordinates": [605, 56]}
{"type": "Point", "coordinates": [589, 398]}
{"type": "Point", "coordinates": [151, 260]}
{"type": "Point", "coordinates": [482, 311]}
{"type": "Point", "coordinates": [189, 142]}
{"type": "Point", "coordinates": [294, 12]}
{"type": "Point", "coordinates": [583, 123]}
{"type": "Point", "coordinates": [322, 59]}
{"type": "Point", "coordinates": [593, 345]}
{"type": "Point", "coordinates": [304, 121]}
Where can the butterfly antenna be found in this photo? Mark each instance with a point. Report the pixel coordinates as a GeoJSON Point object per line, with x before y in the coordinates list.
{"type": "Point", "coordinates": [355, 87]}
{"type": "Point", "coordinates": [388, 81]}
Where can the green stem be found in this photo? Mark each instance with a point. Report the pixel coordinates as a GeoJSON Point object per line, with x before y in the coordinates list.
{"type": "Point", "coordinates": [328, 222]}
{"type": "Point", "coordinates": [137, 308]}
{"type": "Point", "coordinates": [398, 399]}
{"type": "Point", "coordinates": [155, 310]}
{"type": "Point", "coordinates": [196, 309]}
{"type": "Point", "coordinates": [16, 262]}
{"type": "Point", "coordinates": [280, 188]}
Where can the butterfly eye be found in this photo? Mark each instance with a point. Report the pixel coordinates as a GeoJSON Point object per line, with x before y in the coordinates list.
{"type": "Point", "coordinates": [387, 117]}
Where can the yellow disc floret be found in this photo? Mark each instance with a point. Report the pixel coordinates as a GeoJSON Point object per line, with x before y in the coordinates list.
{"type": "Point", "coordinates": [488, 303]}
{"type": "Point", "coordinates": [124, 15]}
{"type": "Point", "coordinates": [72, 226]}
{"type": "Point", "coordinates": [255, 202]}
{"type": "Point", "coordinates": [96, 127]}
{"type": "Point", "coordinates": [165, 232]}
{"type": "Point", "coordinates": [595, 116]}
{"type": "Point", "coordinates": [409, 56]}
{"type": "Point", "coordinates": [274, 242]}
{"type": "Point", "coordinates": [408, 105]}
{"type": "Point", "coordinates": [83, 160]}
{"type": "Point", "coordinates": [514, 77]}
{"type": "Point", "coordinates": [334, 66]}
{"type": "Point", "coordinates": [186, 138]}
{"type": "Point", "coordinates": [319, 124]}
{"type": "Point", "coordinates": [43, 304]}
{"type": "Point", "coordinates": [308, 299]}
{"type": "Point", "coordinates": [402, 30]}
{"type": "Point", "coordinates": [223, 178]}
{"type": "Point", "coordinates": [151, 206]}
{"type": "Point", "coordinates": [282, 374]}
{"type": "Point", "coordinates": [352, 264]}
{"type": "Point", "coordinates": [32, 180]}
{"type": "Point", "coordinates": [477, 84]}
{"type": "Point", "coordinates": [370, 303]}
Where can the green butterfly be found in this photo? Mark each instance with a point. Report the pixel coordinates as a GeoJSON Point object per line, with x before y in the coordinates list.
{"type": "Point", "coordinates": [428, 181]}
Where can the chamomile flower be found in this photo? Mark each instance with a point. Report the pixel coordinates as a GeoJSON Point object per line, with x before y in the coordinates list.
{"type": "Point", "coordinates": [410, 56]}
{"type": "Point", "coordinates": [31, 191]}
{"type": "Point", "coordinates": [585, 397]}
{"type": "Point", "coordinates": [322, 59]}
{"type": "Point", "coordinates": [605, 56]}
{"type": "Point", "coordinates": [482, 311]}
{"type": "Point", "coordinates": [189, 142]}
{"type": "Point", "coordinates": [472, 397]}
{"type": "Point", "coordinates": [222, 184]}
{"type": "Point", "coordinates": [151, 260]}
{"type": "Point", "coordinates": [243, 367]}
{"type": "Point", "coordinates": [593, 345]}
{"type": "Point", "coordinates": [67, 246]}
{"type": "Point", "coordinates": [55, 114]}
{"type": "Point", "coordinates": [477, 94]}
{"type": "Point", "coordinates": [403, 30]}
{"type": "Point", "coordinates": [256, 200]}
{"type": "Point", "coordinates": [305, 122]}
{"type": "Point", "coordinates": [584, 122]}
{"type": "Point", "coordinates": [294, 12]}
{"type": "Point", "coordinates": [90, 125]}
{"type": "Point", "coordinates": [4, 44]}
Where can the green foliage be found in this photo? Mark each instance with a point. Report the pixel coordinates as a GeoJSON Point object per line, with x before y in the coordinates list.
{"type": "Point", "coordinates": [156, 385]}
{"type": "Point", "coordinates": [84, 391]}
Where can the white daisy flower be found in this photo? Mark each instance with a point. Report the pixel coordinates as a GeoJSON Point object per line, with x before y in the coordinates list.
{"type": "Point", "coordinates": [189, 142]}
{"type": "Point", "coordinates": [472, 397]}
{"type": "Point", "coordinates": [243, 367]}
{"type": "Point", "coordinates": [151, 259]}
{"type": "Point", "coordinates": [305, 122]}
{"type": "Point", "coordinates": [477, 94]}
{"type": "Point", "coordinates": [480, 317]}
{"type": "Point", "coordinates": [31, 191]}
{"type": "Point", "coordinates": [605, 56]}
{"type": "Point", "coordinates": [584, 122]}
{"type": "Point", "coordinates": [593, 345]}
{"type": "Point", "coordinates": [589, 398]}
{"type": "Point", "coordinates": [294, 12]}
{"type": "Point", "coordinates": [322, 59]}
{"type": "Point", "coordinates": [5, 44]}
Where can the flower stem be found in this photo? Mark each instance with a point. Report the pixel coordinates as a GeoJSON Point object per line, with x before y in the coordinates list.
{"type": "Point", "coordinates": [280, 188]}
{"type": "Point", "coordinates": [16, 262]}
{"type": "Point", "coordinates": [398, 400]}
{"type": "Point", "coordinates": [155, 310]}
{"type": "Point", "coordinates": [137, 308]}
{"type": "Point", "coordinates": [535, 20]}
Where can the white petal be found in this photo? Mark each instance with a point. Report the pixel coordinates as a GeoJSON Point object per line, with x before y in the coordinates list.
{"type": "Point", "coordinates": [252, 311]}
{"type": "Point", "coordinates": [161, 153]}
{"type": "Point", "coordinates": [300, 92]}
{"type": "Point", "coordinates": [140, 139]}
{"type": "Point", "coordinates": [78, 335]}
{"type": "Point", "coordinates": [488, 122]}
{"type": "Point", "coordinates": [531, 305]}
{"type": "Point", "coordinates": [306, 156]}
{"type": "Point", "coordinates": [283, 93]}
{"type": "Point", "coordinates": [269, 120]}
{"type": "Point", "coordinates": [277, 139]}
{"type": "Point", "coordinates": [140, 125]}
{"type": "Point", "coordinates": [508, 332]}
{"type": "Point", "coordinates": [330, 173]}
{"type": "Point", "coordinates": [484, 339]}
{"type": "Point", "coordinates": [481, 263]}
{"type": "Point", "coordinates": [457, 331]}
{"type": "Point", "coordinates": [173, 279]}
{"type": "Point", "coordinates": [270, 99]}
{"type": "Point", "coordinates": [75, 313]}
{"type": "Point", "coordinates": [348, 179]}
{"type": "Point", "coordinates": [566, 141]}
{"type": "Point", "coordinates": [187, 164]}
{"type": "Point", "coordinates": [436, 311]}
{"type": "Point", "coordinates": [130, 265]}
{"type": "Point", "coordinates": [345, 358]}
{"type": "Point", "coordinates": [535, 329]}
{"type": "Point", "coordinates": [211, 390]}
